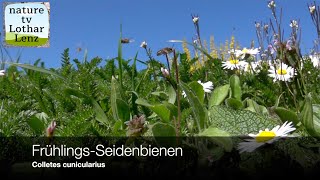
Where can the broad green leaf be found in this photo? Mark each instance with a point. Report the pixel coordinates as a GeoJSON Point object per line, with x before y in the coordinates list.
{"type": "Point", "coordinates": [117, 127]}
{"type": "Point", "coordinates": [250, 108]}
{"type": "Point", "coordinates": [198, 90]}
{"type": "Point", "coordinates": [263, 110]}
{"type": "Point", "coordinates": [115, 94]}
{"type": "Point", "coordinates": [219, 136]}
{"type": "Point", "coordinates": [173, 109]}
{"type": "Point", "coordinates": [100, 115]}
{"type": "Point", "coordinates": [235, 87]}
{"type": "Point", "coordinates": [123, 110]}
{"type": "Point", "coordinates": [36, 125]}
{"type": "Point", "coordinates": [163, 130]}
{"type": "Point", "coordinates": [143, 102]}
{"type": "Point", "coordinates": [287, 115]}
{"type": "Point", "coordinates": [234, 103]}
{"type": "Point", "coordinates": [251, 105]}
{"type": "Point", "coordinates": [164, 134]}
{"type": "Point", "coordinates": [159, 93]}
{"type": "Point", "coordinates": [160, 109]}
{"type": "Point", "coordinates": [306, 116]}
{"type": "Point", "coordinates": [316, 118]}
{"type": "Point", "coordinates": [172, 95]}
{"type": "Point", "coordinates": [218, 95]}
{"type": "Point", "coordinates": [35, 68]}
{"type": "Point", "coordinates": [198, 110]}
{"type": "Point", "coordinates": [238, 122]}
{"type": "Point", "coordinates": [255, 107]}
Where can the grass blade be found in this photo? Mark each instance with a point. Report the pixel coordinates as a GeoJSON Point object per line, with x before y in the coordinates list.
{"type": "Point", "coordinates": [35, 68]}
{"type": "Point", "coordinates": [120, 56]}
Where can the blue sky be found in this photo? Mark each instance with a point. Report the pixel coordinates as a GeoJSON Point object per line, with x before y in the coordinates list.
{"type": "Point", "coordinates": [95, 25]}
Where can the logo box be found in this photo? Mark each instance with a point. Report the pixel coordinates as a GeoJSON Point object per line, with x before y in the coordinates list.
{"type": "Point", "coordinates": [26, 24]}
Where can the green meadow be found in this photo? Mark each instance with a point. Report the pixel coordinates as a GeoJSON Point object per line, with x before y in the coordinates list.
{"type": "Point", "coordinates": [235, 106]}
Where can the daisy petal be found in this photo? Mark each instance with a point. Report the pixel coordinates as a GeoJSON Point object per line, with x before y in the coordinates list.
{"type": "Point", "coordinates": [248, 146]}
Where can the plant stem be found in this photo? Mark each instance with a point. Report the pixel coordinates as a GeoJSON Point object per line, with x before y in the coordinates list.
{"type": "Point", "coordinates": [152, 61]}
{"type": "Point", "coordinates": [177, 93]}
{"type": "Point", "coordinates": [168, 63]}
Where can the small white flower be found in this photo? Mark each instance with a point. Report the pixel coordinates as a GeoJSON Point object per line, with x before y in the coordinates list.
{"type": "Point", "coordinates": [266, 27]}
{"type": "Point", "coordinates": [233, 64]}
{"type": "Point", "coordinates": [184, 94]}
{"type": "Point", "coordinates": [165, 72]}
{"type": "Point", "coordinates": [207, 87]}
{"type": "Point", "coordinates": [272, 4]}
{"type": "Point", "coordinates": [2, 72]}
{"type": "Point", "coordinates": [265, 136]}
{"type": "Point", "coordinates": [315, 60]}
{"type": "Point", "coordinates": [294, 24]}
{"type": "Point", "coordinates": [195, 19]}
{"type": "Point", "coordinates": [242, 53]}
{"type": "Point", "coordinates": [257, 25]}
{"type": "Point", "coordinates": [143, 44]}
{"type": "Point", "coordinates": [282, 72]}
{"type": "Point", "coordinates": [312, 9]}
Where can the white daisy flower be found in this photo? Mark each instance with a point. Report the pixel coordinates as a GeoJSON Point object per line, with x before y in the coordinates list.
{"type": "Point", "coordinates": [144, 44]}
{"type": "Point", "coordinates": [282, 72]}
{"type": "Point", "coordinates": [207, 87]}
{"type": "Point", "coordinates": [233, 64]}
{"type": "Point", "coordinates": [315, 60]}
{"type": "Point", "coordinates": [242, 53]}
{"type": "Point", "coordinates": [2, 72]}
{"type": "Point", "coordinates": [266, 136]}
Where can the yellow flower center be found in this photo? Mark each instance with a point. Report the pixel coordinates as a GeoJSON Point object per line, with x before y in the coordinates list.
{"type": "Point", "coordinates": [245, 51]}
{"type": "Point", "coordinates": [281, 71]}
{"type": "Point", "coordinates": [265, 136]}
{"type": "Point", "coordinates": [234, 61]}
